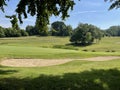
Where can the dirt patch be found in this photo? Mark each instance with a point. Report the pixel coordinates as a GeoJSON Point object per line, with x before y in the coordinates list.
{"type": "Point", "coordinates": [48, 62]}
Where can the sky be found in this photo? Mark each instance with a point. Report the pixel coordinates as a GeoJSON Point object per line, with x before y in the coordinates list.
{"type": "Point", "coordinates": [85, 11]}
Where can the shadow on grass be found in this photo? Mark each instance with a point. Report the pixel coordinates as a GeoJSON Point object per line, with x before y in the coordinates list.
{"type": "Point", "coordinates": [87, 80]}
{"type": "Point", "coordinates": [79, 44]}
{"type": "Point", "coordinates": [4, 72]}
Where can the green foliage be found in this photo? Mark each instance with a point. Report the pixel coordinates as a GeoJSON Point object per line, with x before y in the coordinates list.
{"type": "Point", "coordinates": [85, 34]}
{"type": "Point", "coordinates": [43, 31]}
{"type": "Point", "coordinates": [115, 4]}
{"type": "Point", "coordinates": [69, 30]}
{"type": "Point", "coordinates": [59, 28]}
{"type": "Point", "coordinates": [2, 33]}
{"type": "Point", "coordinates": [32, 30]}
{"type": "Point", "coordinates": [14, 22]}
{"type": "Point", "coordinates": [113, 31]}
{"type": "Point", "coordinates": [2, 4]}
{"type": "Point", "coordinates": [42, 9]}
{"type": "Point", "coordinates": [23, 33]}
{"type": "Point", "coordinates": [10, 32]}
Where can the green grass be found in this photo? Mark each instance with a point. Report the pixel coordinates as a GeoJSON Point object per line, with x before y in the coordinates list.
{"type": "Point", "coordinates": [55, 47]}
{"type": "Point", "coordinates": [106, 44]}
{"type": "Point", "coordinates": [74, 75]}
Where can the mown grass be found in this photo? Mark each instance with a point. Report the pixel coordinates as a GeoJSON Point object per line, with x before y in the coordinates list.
{"type": "Point", "coordinates": [106, 44]}
{"type": "Point", "coordinates": [55, 47]}
{"type": "Point", "coordinates": [74, 75]}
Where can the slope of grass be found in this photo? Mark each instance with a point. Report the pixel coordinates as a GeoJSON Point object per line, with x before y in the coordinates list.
{"type": "Point", "coordinates": [75, 75]}
{"type": "Point", "coordinates": [34, 41]}
{"type": "Point", "coordinates": [47, 53]}
{"type": "Point", "coordinates": [107, 44]}
{"type": "Point", "coordinates": [42, 47]}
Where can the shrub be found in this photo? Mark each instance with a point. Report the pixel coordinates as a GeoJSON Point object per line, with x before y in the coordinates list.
{"type": "Point", "coordinates": [65, 47]}
{"type": "Point", "coordinates": [93, 51]}
{"type": "Point", "coordinates": [2, 34]}
{"type": "Point", "coordinates": [113, 51]}
{"type": "Point", "coordinates": [107, 51]}
{"type": "Point", "coordinates": [85, 50]}
{"type": "Point", "coordinates": [23, 33]}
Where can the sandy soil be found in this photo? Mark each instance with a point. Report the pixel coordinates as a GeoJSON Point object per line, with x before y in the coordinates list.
{"type": "Point", "coordinates": [48, 62]}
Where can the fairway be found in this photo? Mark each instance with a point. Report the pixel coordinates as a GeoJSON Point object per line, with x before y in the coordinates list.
{"type": "Point", "coordinates": [55, 47]}
{"type": "Point", "coordinates": [63, 66]}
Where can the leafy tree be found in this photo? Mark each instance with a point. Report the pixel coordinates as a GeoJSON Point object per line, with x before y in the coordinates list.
{"type": "Point", "coordinates": [113, 31]}
{"type": "Point", "coordinates": [14, 22]}
{"type": "Point", "coordinates": [32, 30]}
{"type": "Point", "coordinates": [115, 4]}
{"type": "Point", "coordinates": [10, 32]}
{"type": "Point", "coordinates": [42, 30]}
{"type": "Point", "coordinates": [60, 29]}
{"type": "Point", "coordinates": [23, 33]}
{"type": "Point", "coordinates": [43, 9]}
{"type": "Point", "coordinates": [2, 34]}
{"type": "Point", "coordinates": [85, 34]}
{"type": "Point", "coordinates": [69, 30]}
{"type": "Point", "coordinates": [88, 37]}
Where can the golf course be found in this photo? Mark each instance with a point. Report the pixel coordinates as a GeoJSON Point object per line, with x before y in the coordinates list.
{"type": "Point", "coordinates": [52, 63]}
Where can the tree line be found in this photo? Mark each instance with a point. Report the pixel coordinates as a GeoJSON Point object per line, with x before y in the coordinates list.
{"type": "Point", "coordinates": [83, 34]}
{"type": "Point", "coordinates": [113, 31]}
{"type": "Point", "coordinates": [44, 9]}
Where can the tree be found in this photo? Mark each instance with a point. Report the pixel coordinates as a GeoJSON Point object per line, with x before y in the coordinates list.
{"type": "Point", "coordinates": [14, 22]}
{"type": "Point", "coordinates": [69, 30]}
{"type": "Point", "coordinates": [43, 9]}
{"type": "Point", "coordinates": [88, 37]}
{"type": "Point", "coordinates": [85, 34]}
{"type": "Point", "coordinates": [60, 29]}
{"type": "Point", "coordinates": [32, 30]}
{"type": "Point", "coordinates": [115, 4]}
{"type": "Point", "coordinates": [23, 33]}
{"type": "Point", "coordinates": [113, 31]}
{"type": "Point", "coordinates": [2, 34]}
{"type": "Point", "coordinates": [42, 30]}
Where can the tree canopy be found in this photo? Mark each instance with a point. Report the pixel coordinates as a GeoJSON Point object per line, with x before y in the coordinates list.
{"type": "Point", "coordinates": [115, 4]}
{"type": "Point", "coordinates": [14, 22]}
{"type": "Point", "coordinates": [43, 9]}
{"type": "Point", "coordinates": [113, 31]}
{"type": "Point", "coordinates": [85, 34]}
{"type": "Point", "coordinates": [59, 28]}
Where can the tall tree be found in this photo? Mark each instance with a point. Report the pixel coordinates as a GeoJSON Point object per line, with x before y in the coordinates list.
{"type": "Point", "coordinates": [43, 9]}
{"type": "Point", "coordinates": [113, 31]}
{"type": "Point", "coordinates": [85, 34]}
{"type": "Point", "coordinates": [59, 28]}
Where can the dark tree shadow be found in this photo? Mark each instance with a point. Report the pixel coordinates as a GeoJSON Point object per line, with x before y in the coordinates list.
{"type": "Point", "coordinates": [4, 72]}
{"type": "Point", "coordinates": [79, 44]}
{"type": "Point", "coordinates": [87, 80]}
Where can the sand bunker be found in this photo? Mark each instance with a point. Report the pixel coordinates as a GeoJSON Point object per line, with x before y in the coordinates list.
{"type": "Point", "coordinates": [48, 62]}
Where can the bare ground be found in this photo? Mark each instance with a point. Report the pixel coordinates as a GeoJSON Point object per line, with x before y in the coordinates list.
{"type": "Point", "coordinates": [48, 62]}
